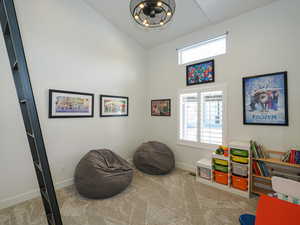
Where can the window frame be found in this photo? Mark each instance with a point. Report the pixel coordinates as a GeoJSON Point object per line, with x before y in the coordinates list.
{"type": "Point", "coordinates": [199, 90]}
{"type": "Point", "coordinates": [179, 50]}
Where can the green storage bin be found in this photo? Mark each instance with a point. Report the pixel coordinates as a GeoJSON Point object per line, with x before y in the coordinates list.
{"type": "Point", "coordinates": [220, 168]}
{"type": "Point", "coordinates": [239, 152]}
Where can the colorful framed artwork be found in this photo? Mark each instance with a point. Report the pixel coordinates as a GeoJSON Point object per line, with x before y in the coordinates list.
{"type": "Point", "coordinates": [200, 73]}
{"type": "Point", "coordinates": [113, 106]}
{"type": "Point", "coordinates": [69, 104]}
{"type": "Point", "coordinates": [161, 107]}
{"type": "Point", "coordinates": [266, 99]}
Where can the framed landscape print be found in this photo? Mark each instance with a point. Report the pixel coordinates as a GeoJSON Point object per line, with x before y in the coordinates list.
{"type": "Point", "coordinates": [68, 104]}
{"type": "Point", "coordinates": [200, 73]}
{"type": "Point", "coordinates": [161, 107]}
{"type": "Point", "coordinates": [113, 106]}
{"type": "Point", "coordinates": [266, 99]}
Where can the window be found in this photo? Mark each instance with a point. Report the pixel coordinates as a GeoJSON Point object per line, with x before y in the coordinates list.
{"type": "Point", "coordinates": [189, 117]}
{"type": "Point", "coordinates": [202, 116]}
{"type": "Point", "coordinates": [211, 117]}
{"type": "Point", "coordinates": [202, 50]}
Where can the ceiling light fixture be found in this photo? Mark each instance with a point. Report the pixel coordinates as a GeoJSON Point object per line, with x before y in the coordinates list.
{"type": "Point", "coordinates": [156, 13]}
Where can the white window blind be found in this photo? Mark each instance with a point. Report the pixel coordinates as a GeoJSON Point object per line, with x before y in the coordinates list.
{"type": "Point", "coordinates": [189, 117]}
{"type": "Point", "coordinates": [202, 117]}
{"type": "Point", "coordinates": [202, 50]}
{"type": "Point", "coordinates": [212, 117]}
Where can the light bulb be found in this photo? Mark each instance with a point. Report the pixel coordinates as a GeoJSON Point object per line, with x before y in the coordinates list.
{"type": "Point", "coordinates": [159, 4]}
{"type": "Point", "coordinates": [142, 5]}
{"type": "Point", "coordinates": [136, 17]}
{"type": "Point", "coordinates": [161, 23]}
{"type": "Point", "coordinates": [145, 22]}
{"type": "Point", "coordinates": [169, 14]}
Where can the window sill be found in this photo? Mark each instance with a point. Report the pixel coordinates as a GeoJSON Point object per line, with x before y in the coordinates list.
{"type": "Point", "coordinates": [198, 146]}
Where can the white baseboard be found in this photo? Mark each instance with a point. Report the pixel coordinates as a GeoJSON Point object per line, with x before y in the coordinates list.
{"type": "Point", "coordinates": [8, 202]}
{"type": "Point", "coordinates": [65, 183]}
{"type": "Point", "coordinates": [185, 166]}
{"type": "Point", "coordinates": [180, 165]}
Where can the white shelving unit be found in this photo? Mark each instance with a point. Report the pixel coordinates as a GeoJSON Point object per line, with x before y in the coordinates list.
{"type": "Point", "coordinates": [233, 145]}
{"type": "Point", "coordinates": [205, 164]}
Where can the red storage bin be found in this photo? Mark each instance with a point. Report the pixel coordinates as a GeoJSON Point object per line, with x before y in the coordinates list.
{"type": "Point", "coordinates": [220, 177]}
{"type": "Point", "coordinates": [240, 183]}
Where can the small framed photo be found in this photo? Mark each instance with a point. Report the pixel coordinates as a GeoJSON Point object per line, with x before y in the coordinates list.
{"type": "Point", "coordinates": [200, 73]}
{"type": "Point", "coordinates": [266, 99]}
{"type": "Point", "coordinates": [113, 106]}
{"type": "Point", "coordinates": [161, 107]}
{"type": "Point", "coordinates": [69, 104]}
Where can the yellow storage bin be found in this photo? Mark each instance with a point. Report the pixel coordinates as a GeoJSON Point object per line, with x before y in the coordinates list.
{"type": "Point", "coordinates": [240, 159]}
{"type": "Point", "coordinates": [221, 162]}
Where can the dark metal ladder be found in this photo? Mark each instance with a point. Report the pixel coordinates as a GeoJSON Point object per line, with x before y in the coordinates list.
{"type": "Point", "coordinates": [15, 50]}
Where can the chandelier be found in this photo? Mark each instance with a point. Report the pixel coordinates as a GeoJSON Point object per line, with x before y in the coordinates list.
{"type": "Point", "coordinates": [152, 13]}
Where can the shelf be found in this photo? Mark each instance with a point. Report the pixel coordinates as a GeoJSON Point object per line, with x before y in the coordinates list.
{"type": "Point", "coordinates": [221, 172]}
{"type": "Point", "coordinates": [203, 180]}
{"type": "Point", "coordinates": [236, 189]}
{"type": "Point", "coordinates": [261, 191]}
{"type": "Point", "coordinates": [277, 161]}
{"type": "Point", "coordinates": [222, 157]}
{"type": "Point", "coordinates": [262, 177]}
{"type": "Point", "coordinates": [240, 145]}
{"type": "Point", "coordinates": [228, 187]}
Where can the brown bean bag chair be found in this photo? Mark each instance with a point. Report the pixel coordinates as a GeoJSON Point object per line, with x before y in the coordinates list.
{"type": "Point", "coordinates": [154, 158]}
{"type": "Point", "coordinates": [102, 174]}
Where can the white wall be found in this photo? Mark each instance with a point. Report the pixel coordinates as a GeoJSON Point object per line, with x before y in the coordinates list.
{"type": "Point", "coordinates": [70, 47]}
{"type": "Point", "coordinates": [262, 41]}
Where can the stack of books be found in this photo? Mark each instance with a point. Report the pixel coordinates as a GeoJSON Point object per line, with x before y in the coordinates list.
{"type": "Point", "coordinates": [257, 150]}
{"type": "Point", "coordinates": [292, 156]}
{"type": "Point", "coordinates": [259, 168]}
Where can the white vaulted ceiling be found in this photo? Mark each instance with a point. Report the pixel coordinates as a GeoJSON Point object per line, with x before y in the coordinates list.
{"type": "Point", "coordinates": [190, 15]}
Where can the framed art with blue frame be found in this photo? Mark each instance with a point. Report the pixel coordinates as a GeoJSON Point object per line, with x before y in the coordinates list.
{"type": "Point", "coordinates": [265, 99]}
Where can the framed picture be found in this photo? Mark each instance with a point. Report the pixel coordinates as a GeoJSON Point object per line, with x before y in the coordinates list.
{"type": "Point", "coordinates": [200, 73]}
{"type": "Point", "coordinates": [69, 104]}
{"type": "Point", "coordinates": [112, 106]}
{"type": "Point", "coordinates": [161, 107]}
{"type": "Point", "coordinates": [266, 99]}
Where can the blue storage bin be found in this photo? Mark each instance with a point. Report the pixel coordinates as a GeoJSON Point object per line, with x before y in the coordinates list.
{"type": "Point", "coordinates": [247, 219]}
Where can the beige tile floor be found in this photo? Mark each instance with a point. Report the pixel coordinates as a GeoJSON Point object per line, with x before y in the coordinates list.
{"type": "Point", "coordinates": [174, 199]}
